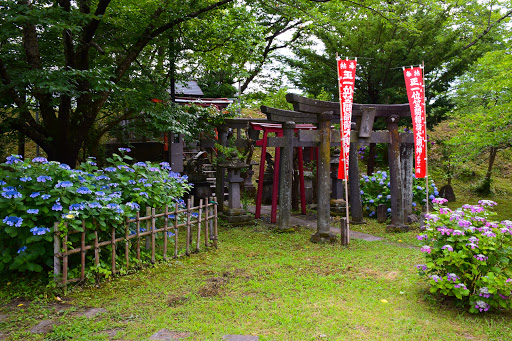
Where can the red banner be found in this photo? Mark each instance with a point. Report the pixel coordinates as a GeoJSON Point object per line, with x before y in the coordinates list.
{"type": "Point", "coordinates": [346, 78]}
{"type": "Point", "coordinates": [416, 95]}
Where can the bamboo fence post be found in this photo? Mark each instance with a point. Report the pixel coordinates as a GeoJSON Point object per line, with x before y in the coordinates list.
{"type": "Point", "coordinates": [113, 243]}
{"type": "Point", "coordinates": [199, 224]}
{"type": "Point", "coordinates": [65, 256]}
{"type": "Point", "coordinates": [96, 242]}
{"type": "Point", "coordinates": [137, 221]}
{"type": "Point", "coordinates": [215, 225]}
{"type": "Point", "coordinates": [56, 252]}
{"type": "Point", "coordinates": [206, 223]}
{"type": "Point", "coordinates": [153, 235]}
{"type": "Point", "coordinates": [126, 244]}
{"type": "Point", "coordinates": [82, 252]}
{"type": "Point", "coordinates": [166, 220]}
{"type": "Point", "coordinates": [176, 230]}
{"type": "Point", "coordinates": [148, 226]}
{"type": "Point", "coordinates": [187, 252]}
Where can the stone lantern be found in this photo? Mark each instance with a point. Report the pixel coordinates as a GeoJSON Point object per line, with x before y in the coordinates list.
{"type": "Point", "coordinates": [234, 213]}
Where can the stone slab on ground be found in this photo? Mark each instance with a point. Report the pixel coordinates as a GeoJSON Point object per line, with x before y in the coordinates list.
{"type": "Point", "coordinates": [240, 338]}
{"type": "Point", "coordinates": [42, 327]}
{"type": "Point", "coordinates": [169, 335]}
{"type": "Point", "coordinates": [90, 313]}
{"type": "Point", "coordinates": [3, 317]}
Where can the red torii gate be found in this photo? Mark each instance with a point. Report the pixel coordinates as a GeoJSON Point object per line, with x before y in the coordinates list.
{"type": "Point", "coordinates": [278, 129]}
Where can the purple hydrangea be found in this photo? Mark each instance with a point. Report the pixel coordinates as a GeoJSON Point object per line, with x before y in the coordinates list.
{"type": "Point", "coordinates": [447, 247]}
{"type": "Point", "coordinates": [436, 278]}
{"type": "Point", "coordinates": [110, 169]}
{"type": "Point", "coordinates": [34, 194]}
{"type": "Point", "coordinates": [482, 306]}
{"type": "Point", "coordinates": [439, 201]}
{"type": "Point", "coordinates": [451, 277]}
{"type": "Point", "coordinates": [488, 203]}
{"type": "Point", "coordinates": [26, 179]}
{"type": "Point", "coordinates": [422, 267]}
{"type": "Point", "coordinates": [124, 150]}
{"type": "Point", "coordinates": [426, 248]}
{"type": "Point", "coordinates": [422, 236]}
{"type": "Point", "coordinates": [64, 166]}
{"type": "Point", "coordinates": [33, 211]}
{"type": "Point", "coordinates": [481, 257]}
{"type": "Point", "coordinates": [484, 292]}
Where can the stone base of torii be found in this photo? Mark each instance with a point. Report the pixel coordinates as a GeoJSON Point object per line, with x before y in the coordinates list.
{"type": "Point", "coordinates": [322, 113]}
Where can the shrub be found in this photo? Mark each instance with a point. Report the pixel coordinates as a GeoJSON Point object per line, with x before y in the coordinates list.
{"type": "Point", "coordinates": [36, 194]}
{"type": "Point", "coordinates": [375, 191]}
{"type": "Point", "coordinates": [468, 255]}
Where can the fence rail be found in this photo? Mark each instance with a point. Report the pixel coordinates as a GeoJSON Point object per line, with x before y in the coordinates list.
{"type": "Point", "coordinates": [194, 220]}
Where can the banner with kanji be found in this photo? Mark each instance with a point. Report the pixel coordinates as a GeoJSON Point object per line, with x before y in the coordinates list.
{"type": "Point", "coordinates": [346, 79]}
{"type": "Point", "coordinates": [416, 95]}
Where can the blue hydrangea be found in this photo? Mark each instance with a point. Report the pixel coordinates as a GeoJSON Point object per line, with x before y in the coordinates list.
{"type": "Point", "coordinates": [94, 205]}
{"type": "Point", "coordinates": [21, 249]}
{"type": "Point", "coordinates": [131, 182]}
{"type": "Point", "coordinates": [38, 231]}
{"type": "Point", "coordinates": [153, 169]}
{"type": "Point", "coordinates": [2, 183]}
{"type": "Point", "coordinates": [39, 160]}
{"type": "Point", "coordinates": [113, 184]}
{"type": "Point", "coordinates": [13, 159]}
{"type": "Point", "coordinates": [140, 164]}
{"type": "Point", "coordinates": [34, 194]}
{"type": "Point", "coordinates": [83, 190]}
{"type": "Point", "coordinates": [64, 184]}
{"type": "Point", "coordinates": [13, 221]}
{"type": "Point", "coordinates": [25, 179]}
{"type": "Point", "coordinates": [110, 169]}
{"type": "Point", "coordinates": [99, 193]}
{"type": "Point", "coordinates": [124, 150]}
{"type": "Point", "coordinates": [76, 207]}
{"type": "Point", "coordinates": [33, 211]}
{"type": "Point", "coordinates": [102, 177]}
{"type": "Point", "coordinates": [43, 178]}
{"type": "Point", "coordinates": [133, 205]}
{"type": "Point", "coordinates": [46, 196]}
{"type": "Point", "coordinates": [144, 194]}
{"type": "Point", "coordinates": [57, 207]}
{"type": "Point", "coordinates": [64, 166]}
{"type": "Point", "coordinates": [12, 194]}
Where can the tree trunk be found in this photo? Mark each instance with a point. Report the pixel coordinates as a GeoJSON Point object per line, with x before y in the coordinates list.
{"type": "Point", "coordinates": [492, 157]}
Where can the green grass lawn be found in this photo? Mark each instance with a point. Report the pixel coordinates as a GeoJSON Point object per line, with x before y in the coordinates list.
{"type": "Point", "coordinates": [276, 286]}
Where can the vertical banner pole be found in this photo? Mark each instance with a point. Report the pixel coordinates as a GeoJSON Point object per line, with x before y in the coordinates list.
{"type": "Point", "coordinates": [415, 85]}
{"type": "Point", "coordinates": [346, 80]}
{"type": "Point", "coordinates": [426, 145]}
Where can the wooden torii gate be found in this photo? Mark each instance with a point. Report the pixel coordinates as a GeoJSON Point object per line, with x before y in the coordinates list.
{"type": "Point", "coordinates": [400, 151]}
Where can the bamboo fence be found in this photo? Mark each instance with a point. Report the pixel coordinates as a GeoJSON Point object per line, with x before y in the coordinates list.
{"type": "Point", "coordinates": [196, 219]}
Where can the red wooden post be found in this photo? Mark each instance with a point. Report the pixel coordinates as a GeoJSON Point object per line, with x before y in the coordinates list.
{"type": "Point", "coordinates": [259, 193]}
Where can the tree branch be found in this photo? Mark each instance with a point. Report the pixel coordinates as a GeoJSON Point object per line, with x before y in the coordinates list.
{"type": "Point", "coordinates": [487, 30]}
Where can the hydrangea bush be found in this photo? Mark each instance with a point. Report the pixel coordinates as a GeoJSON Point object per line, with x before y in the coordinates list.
{"type": "Point", "coordinates": [468, 255]}
{"type": "Point", "coordinates": [36, 193]}
{"type": "Point", "coordinates": [375, 191]}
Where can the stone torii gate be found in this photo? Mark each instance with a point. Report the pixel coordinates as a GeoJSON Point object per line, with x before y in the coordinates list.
{"type": "Point", "coordinates": [400, 151]}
